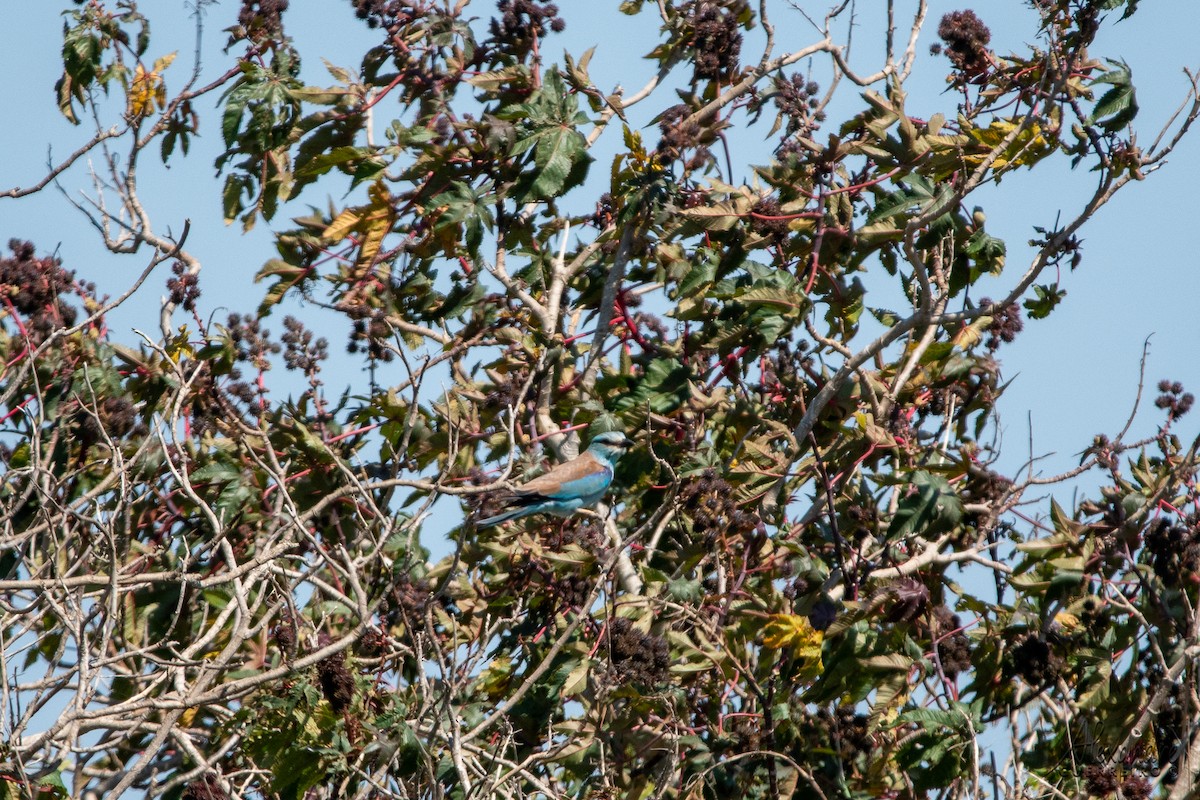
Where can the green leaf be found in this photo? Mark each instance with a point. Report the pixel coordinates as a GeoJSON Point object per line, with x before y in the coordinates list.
{"type": "Point", "coordinates": [53, 784]}
{"type": "Point", "coordinates": [986, 251]}
{"type": "Point", "coordinates": [931, 506]}
{"type": "Point", "coordinates": [665, 386]}
{"type": "Point", "coordinates": [231, 119]}
{"type": "Point", "coordinates": [885, 317]}
{"type": "Point", "coordinates": [685, 590]}
{"type": "Point", "coordinates": [906, 200]}
{"type": "Point", "coordinates": [556, 154]}
{"type": "Point", "coordinates": [1117, 107]}
{"type": "Point", "coordinates": [576, 680]}
{"type": "Point", "coordinates": [1048, 297]}
{"type": "Point", "coordinates": [547, 126]}
{"type": "Point", "coordinates": [702, 272]}
{"type": "Point", "coordinates": [216, 472]}
{"type": "Point", "coordinates": [791, 302]}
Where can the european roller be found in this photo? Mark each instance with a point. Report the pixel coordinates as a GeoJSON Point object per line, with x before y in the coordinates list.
{"type": "Point", "coordinates": [567, 487]}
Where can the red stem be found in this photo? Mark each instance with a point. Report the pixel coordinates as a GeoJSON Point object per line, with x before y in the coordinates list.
{"type": "Point", "coordinates": [347, 434]}
{"type": "Point", "coordinates": [17, 408]}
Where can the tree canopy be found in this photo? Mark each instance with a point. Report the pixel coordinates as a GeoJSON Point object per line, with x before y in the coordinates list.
{"type": "Point", "coordinates": [810, 577]}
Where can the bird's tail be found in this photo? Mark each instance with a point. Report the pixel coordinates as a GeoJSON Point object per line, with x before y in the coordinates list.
{"type": "Point", "coordinates": [512, 513]}
{"type": "Point", "coordinates": [516, 504]}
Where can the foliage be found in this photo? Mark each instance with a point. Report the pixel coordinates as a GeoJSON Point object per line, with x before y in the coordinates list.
{"type": "Point", "coordinates": [229, 594]}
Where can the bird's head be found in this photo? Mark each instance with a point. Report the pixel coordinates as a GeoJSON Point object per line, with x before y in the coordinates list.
{"type": "Point", "coordinates": [610, 446]}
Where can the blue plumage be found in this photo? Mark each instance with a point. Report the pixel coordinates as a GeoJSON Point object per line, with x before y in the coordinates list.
{"type": "Point", "coordinates": [568, 487]}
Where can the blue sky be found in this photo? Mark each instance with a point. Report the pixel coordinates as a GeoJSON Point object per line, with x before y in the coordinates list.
{"type": "Point", "coordinates": [1075, 372]}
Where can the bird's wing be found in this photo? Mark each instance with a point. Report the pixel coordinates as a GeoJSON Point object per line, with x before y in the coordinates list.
{"type": "Point", "coordinates": [578, 477]}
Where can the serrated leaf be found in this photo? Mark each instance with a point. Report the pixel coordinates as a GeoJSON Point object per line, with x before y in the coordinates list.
{"type": "Point", "coordinates": [794, 633]}
{"type": "Point", "coordinates": [1028, 146]}
{"type": "Point", "coordinates": [970, 335]}
{"type": "Point", "coordinates": [885, 317]}
{"type": "Point", "coordinates": [930, 507]}
{"type": "Point", "coordinates": [1047, 297]}
{"type": "Point", "coordinates": [1043, 547]}
{"type": "Point", "coordinates": [342, 224]}
{"type": "Point", "coordinates": [576, 680]}
{"type": "Point", "coordinates": [889, 661]}
{"type": "Point", "coordinates": [555, 156]}
{"type": "Point", "coordinates": [496, 80]}
{"type": "Point", "coordinates": [790, 301]}
{"type": "Point", "coordinates": [216, 472]}
{"type": "Point", "coordinates": [1117, 107]}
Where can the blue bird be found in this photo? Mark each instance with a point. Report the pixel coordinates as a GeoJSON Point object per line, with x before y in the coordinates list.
{"type": "Point", "coordinates": [567, 487]}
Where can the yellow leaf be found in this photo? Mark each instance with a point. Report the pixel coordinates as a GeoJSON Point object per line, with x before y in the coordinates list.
{"type": "Point", "coordinates": [794, 632]}
{"type": "Point", "coordinates": [142, 91]}
{"type": "Point", "coordinates": [1029, 146]}
{"type": "Point", "coordinates": [148, 93]}
{"type": "Point", "coordinates": [373, 222]}
{"type": "Point", "coordinates": [162, 63]}
{"type": "Point", "coordinates": [1069, 622]}
{"type": "Point", "coordinates": [342, 224]}
{"type": "Point", "coordinates": [970, 335]}
{"type": "Point", "coordinates": [179, 347]}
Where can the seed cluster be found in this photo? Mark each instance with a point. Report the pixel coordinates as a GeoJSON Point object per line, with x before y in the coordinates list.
{"type": "Point", "coordinates": [680, 136]}
{"type": "Point", "coordinates": [853, 732]}
{"type": "Point", "coordinates": [35, 288]}
{"type": "Point", "coordinates": [768, 221]}
{"type": "Point", "coordinates": [709, 502]}
{"type": "Point", "coordinates": [370, 332]}
{"type": "Point", "coordinates": [1100, 781]}
{"type": "Point", "coordinates": [206, 788]}
{"type": "Point", "coordinates": [212, 401]}
{"type": "Point", "coordinates": [1006, 323]}
{"type": "Point", "coordinates": [372, 644]}
{"type": "Point", "coordinates": [184, 288]}
{"type": "Point", "coordinates": [843, 731]}
{"type": "Point", "coordinates": [717, 41]}
{"type": "Point", "coordinates": [408, 601]}
{"type": "Point", "coordinates": [1135, 787]}
{"type": "Point", "coordinates": [781, 373]}
{"type": "Point", "coordinates": [907, 599]}
{"type": "Point", "coordinates": [252, 342]}
{"type": "Point", "coordinates": [550, 585]}
{"type": "Point", "coordinates": [337, 684]}
{"type": "Point", "coordinates": [796, 98]}
{"type": "Point", "coordinates": [261, 21]}
{"type": "Point", "coordinates": [966, 38]}
{"type": "Point", "coordinates": [1174, 551]}
{"type": "Point", "coordinates": [390, 15]}
{"type": "Point", "coordinates": [1170, 725]}
{"type": "Point", "coordinates": [506, 392]}
{"type": "Point", "coordinates": [116, 416]}
{"type": "Point", "coordinates": [983, 487]}
{"type": "Point", "coordinates": [301, 351]}
{"type": "Point", "coordinates": [206, 402]}
{"type": "Point", "coordinates": [285, 635]}
{"type": "Point", "coordinates": [1034, 659]}
{"type": "Point", "coordinates": [520, 26]}
{"type": "Point", "coordinates": [1173, 399]}
{"type": "Point", "coordinates": [953, 646]}
{"type": "Point", "coordinates": [636, 658]}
